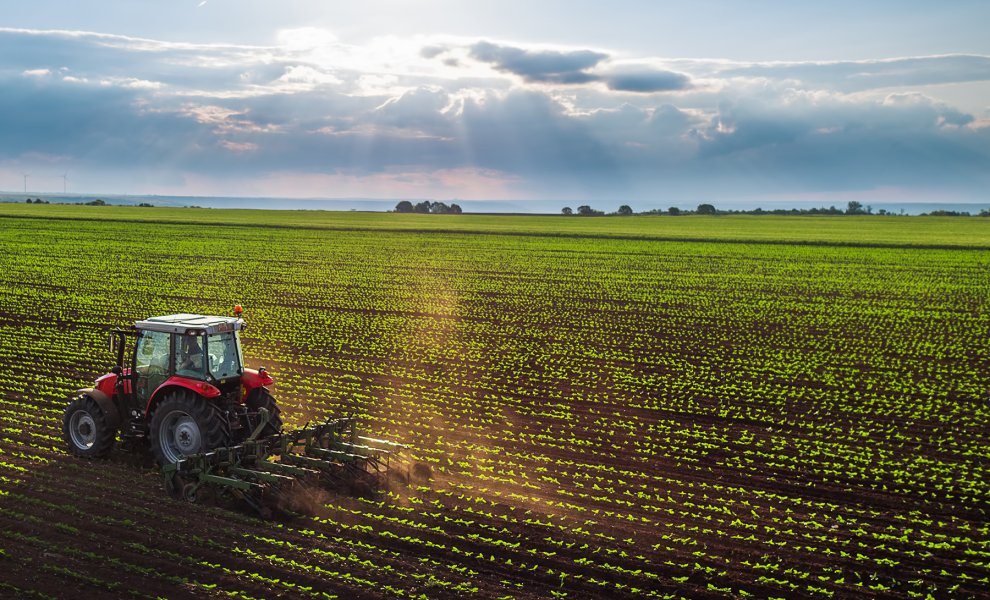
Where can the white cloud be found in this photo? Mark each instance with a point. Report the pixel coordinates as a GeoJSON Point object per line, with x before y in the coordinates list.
{"type": "Point", "coordinates": [132, 82]}
{"type": "Point", "coordinates": [308, 74]}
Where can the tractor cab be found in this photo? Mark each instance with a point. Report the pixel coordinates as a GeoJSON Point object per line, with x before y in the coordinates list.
{"type": "Point", "coordinates": [194, 347]}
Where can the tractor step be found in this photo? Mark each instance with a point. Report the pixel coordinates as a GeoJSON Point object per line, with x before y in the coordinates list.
{"type": "Point", "coordinates": [262, 471]}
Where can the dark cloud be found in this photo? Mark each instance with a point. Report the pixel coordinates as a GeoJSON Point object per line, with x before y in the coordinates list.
{"type": "Point", "coordinates": [527, 133]}
{"type": "Point", "coordinates": [550, 66]}
{"type": "Point", "coordinates": [91, 122]}
{"type": "Point", "coordinates": [543, 66]}
{"type": "Point", "coordinates": [647, 81]}
{"type": "Point", "coordinates": [668, 117]}
{"type": "Point", "coordinates": [420, 108]}
{"type": "Point", "coordinates": [432, 51]}
{"type": "Point", "coordinates": [904, 141]}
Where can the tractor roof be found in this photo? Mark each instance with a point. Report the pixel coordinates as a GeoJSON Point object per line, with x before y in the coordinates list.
{"type": "Point", "coordinates": [186, 323]}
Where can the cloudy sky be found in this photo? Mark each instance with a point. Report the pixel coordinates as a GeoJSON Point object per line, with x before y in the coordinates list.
{"type": "Point", "coordinates": [646, 102]}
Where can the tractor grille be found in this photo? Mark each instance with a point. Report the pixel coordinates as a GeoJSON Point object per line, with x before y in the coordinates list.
{"type": "Point", "coordinates": [230, 392]}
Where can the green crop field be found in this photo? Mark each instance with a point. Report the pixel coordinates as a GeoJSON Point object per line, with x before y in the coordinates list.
{"type": "Point", "coordinates": [613, 407]}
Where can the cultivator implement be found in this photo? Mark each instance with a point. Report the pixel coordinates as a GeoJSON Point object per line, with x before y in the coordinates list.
{"type": "Point", "coordinates": [286, 469]}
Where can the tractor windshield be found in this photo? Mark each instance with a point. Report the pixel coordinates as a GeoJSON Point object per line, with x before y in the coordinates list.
{"type": "Point", "coordinates": [225, 356]}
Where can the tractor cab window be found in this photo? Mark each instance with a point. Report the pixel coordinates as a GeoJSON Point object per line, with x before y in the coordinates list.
{"type": "Point", "coordinates": [151, 361]}
{"type": "Point", "coordinates": [224, 354]}
{"type": "Point", "coordinates": [189, 356]}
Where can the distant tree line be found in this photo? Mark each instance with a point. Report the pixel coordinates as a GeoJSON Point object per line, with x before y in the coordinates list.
{"type": "Point", "coordinates": [852, 208]}
{"type": "Point", "coordinates": [96, 202]}
{"type": "Point", "coordinates": [626, 210]}
{"type": "Point", "coordinates": [427, 207]}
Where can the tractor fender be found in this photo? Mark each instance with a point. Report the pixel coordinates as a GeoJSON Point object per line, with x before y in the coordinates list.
{"type": "Point", "coordinates": [105, 403]}
{"type": "Point", "coordinates": [200, 388]}
{"type": "Point", "coordinates": [107, 384]}
{"type": "Point", "coordinates": [252, 379]}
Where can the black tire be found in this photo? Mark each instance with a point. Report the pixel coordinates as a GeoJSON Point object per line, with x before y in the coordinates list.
{"type": "Point", "coordinates": [262, 398]}
{"type": "Point", "coordinates": [184, 424]}
{"type": "Point", "coordinates": [86, 429]}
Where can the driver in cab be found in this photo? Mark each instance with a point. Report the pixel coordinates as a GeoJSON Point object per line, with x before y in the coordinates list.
{"type": "Point", "coordinates": [191, 355]}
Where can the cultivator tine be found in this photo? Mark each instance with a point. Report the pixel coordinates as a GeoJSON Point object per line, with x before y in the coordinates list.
{"type": "Point", "coordinates": [340, 454]}
{"type": "Point", "coordinates": [257, 471]}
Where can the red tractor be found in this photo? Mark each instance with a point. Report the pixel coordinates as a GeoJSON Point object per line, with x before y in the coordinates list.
{"type": "Point", "coordinates": [180, 385]}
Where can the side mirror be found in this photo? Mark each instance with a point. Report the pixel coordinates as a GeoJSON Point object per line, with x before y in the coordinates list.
{"type": "Point", "coordinates": [113, 343]}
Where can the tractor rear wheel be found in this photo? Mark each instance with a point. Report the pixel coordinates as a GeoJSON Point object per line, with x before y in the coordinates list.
{"type": "Point", "coordinates": [86, 430]}
{"type": "Point", "coordinates": [262, 398]}
{"type": "Point", "coordinates": [184, 424]}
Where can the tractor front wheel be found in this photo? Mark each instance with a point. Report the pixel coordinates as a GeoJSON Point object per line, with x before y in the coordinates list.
{"type": "Point", "coordinates": [85, 428]}
{"type": "Point", "coordinates": [184, 424]}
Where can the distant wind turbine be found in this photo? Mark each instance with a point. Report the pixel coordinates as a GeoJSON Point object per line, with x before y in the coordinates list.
{"type": "Point", "coordinates": [25, 183]}
{"type": "Point", "coordinates": [65, 182]}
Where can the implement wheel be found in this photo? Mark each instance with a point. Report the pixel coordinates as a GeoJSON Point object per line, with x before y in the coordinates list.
{"type": "Point", "coordinates": [86, 429]}
{"type": "Point", "coordinates": [184, 424]}
{"type": "Point", "coordinates": [189, 492]}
